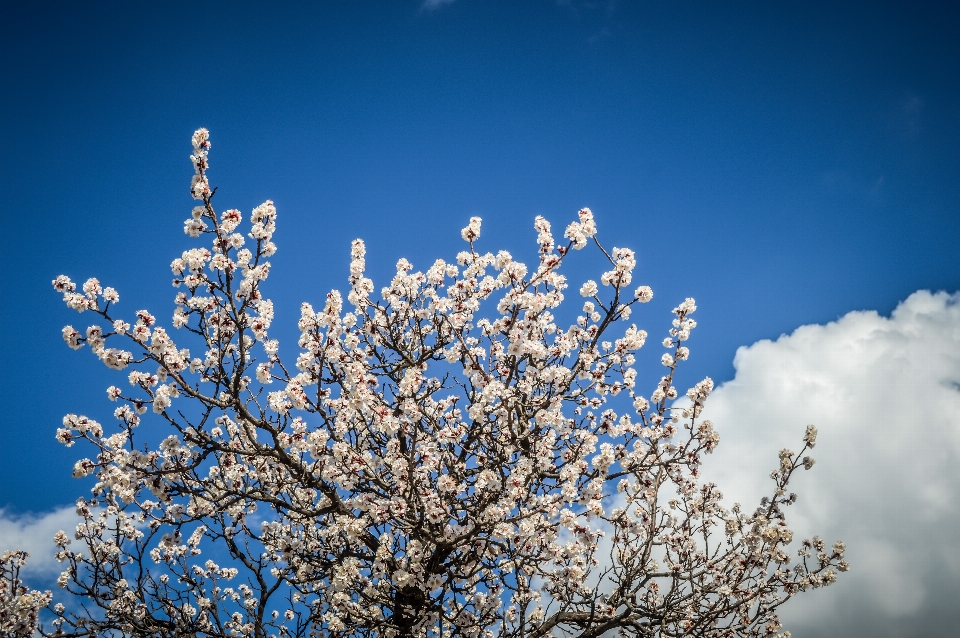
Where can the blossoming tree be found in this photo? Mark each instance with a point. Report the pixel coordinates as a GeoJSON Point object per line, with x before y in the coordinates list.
{"type": "Point", "coordinates": [445, 459]}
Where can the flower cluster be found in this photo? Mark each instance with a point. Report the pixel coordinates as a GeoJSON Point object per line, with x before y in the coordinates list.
{"type": "Point", "coordinates": [19, 606]}
{"type": "Point", "coordinates": [445, 459]}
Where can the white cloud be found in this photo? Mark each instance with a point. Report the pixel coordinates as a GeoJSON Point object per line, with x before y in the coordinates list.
{"type": "Point", "coordinates": [885, 396]}
{"type": "Point", "coordinates": [33, 533]}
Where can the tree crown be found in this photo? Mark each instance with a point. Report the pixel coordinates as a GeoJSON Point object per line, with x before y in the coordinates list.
{"type": "Point", "coordinates": [444, 459]}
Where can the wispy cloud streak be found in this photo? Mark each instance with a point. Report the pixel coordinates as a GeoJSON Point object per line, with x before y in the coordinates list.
{"type": "Point", "coordinates": [433, 5]}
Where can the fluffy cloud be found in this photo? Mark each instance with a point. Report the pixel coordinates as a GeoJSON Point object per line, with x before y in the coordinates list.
{"type": "Point", "coordinates": [33, 533]}
{"type": "Point", "coordinates": [885, 395]}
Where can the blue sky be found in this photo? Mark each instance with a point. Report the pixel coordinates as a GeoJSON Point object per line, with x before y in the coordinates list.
{"type": "Point", "coordinates": [783, 163]}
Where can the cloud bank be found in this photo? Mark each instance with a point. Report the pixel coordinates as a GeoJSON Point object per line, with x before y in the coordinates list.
{"type": "Point", "coordinates": [885, 395]}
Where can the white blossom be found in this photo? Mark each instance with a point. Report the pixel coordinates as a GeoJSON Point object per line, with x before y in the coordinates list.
{"type": "Point", "coordinates": [472, 231]}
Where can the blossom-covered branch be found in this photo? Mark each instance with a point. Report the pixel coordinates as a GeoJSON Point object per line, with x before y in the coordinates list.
{"type": "Point", "coordinates": [19, 606]}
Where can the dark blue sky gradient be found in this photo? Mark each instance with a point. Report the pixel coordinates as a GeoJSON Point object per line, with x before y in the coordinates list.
{"type": "Point", "coordinates": [784, 163]}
